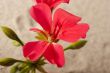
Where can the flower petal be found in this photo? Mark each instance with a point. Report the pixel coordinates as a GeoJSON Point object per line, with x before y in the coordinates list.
{"type": "Point", "coordinates": [42, 14]}
{"type": "Point", "coordinates": [49, 54]}
{"type": "Point", "coordinates": [55, 54]}
{"type": "Point", "coordinates": [52, 3]}
{"type": "Point", "coordinates": [38, 1]}
{"type": "Point", "coordinates": [75, 33]}
{"type": "Point", "coordinates": [64, 19]}
{"type": "Point", "coordinates": [34, 50]}
{"type": "Point", "coordinates": [36, 30]}
{"type": "Point", "coordinates": [39, 31]}
{"type": "Point", "coordinates": [55, 3]}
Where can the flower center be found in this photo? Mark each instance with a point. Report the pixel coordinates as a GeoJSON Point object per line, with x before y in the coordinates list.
{"type": "Point", "coordinates": [55, 33]}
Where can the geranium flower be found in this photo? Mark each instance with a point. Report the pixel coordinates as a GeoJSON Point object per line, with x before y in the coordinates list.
{"type": "Point", "coordinates": [52, 3]}
{"type": "Point", "coordinates": [65, 26]}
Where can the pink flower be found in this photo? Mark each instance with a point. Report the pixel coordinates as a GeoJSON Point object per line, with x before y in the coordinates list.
{"type": "Point", "coordinates": [65, 26]}
{"type": "Point", "coordinates": [52, 3]}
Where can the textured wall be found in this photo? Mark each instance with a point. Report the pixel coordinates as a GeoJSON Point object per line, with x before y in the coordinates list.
{"type": "Point", "coordinates": [93, 58]}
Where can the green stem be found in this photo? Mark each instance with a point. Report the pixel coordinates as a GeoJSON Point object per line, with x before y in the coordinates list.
{"type": "Point", "coordinates": [22, 61]}
{"type": "Point", "coordinates": [20, 42]}
{"type": "Point", "coordinates": [66, 49]}
{"type": "Point", "coordinates": [33, 70]}
{"type": "Point", "coordinates": [41, 69]}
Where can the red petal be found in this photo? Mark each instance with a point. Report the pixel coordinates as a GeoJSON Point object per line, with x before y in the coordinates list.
{"type": "Point", "coordinates": [55, 3]}
{"type": "Point", "coordinates": [38, 1]}
{"type": "Point", "coordinates": [34, 50]}
{"type": "Point", "coordinates": [55, 54]}
{"type": "Point", "coordinates": [75, 33]}
{"type": "Point", "coordinates": [49, 54]}
{"type": "Point", "coordinates": [39, 31]}
{"type": "Point", "coordinates": [52, 3]}
{"type": "Point", "coordinates": [65, 19]}
{"type": "Point", "coordinates": [42, 14]}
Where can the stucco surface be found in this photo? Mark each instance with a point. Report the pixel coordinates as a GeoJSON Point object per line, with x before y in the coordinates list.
{"type": "Point", "coordinates": [93, 58]}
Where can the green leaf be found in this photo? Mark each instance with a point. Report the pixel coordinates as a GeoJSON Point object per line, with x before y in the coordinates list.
{"type": "Point", "coordinates": [11, 34]}
{"type": "Point", "coordinates": [7, 61]}
{"type": "Point", "coordinates": [76, 45]}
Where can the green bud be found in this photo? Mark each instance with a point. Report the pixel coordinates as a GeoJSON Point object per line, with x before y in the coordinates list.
{"type": "Point", "coordinates": [14, 69]}
{"type": "Point", "coordinates": [16, 43]}
{"type": "Point", "coordinates": [22, 65]}
{"type": "Point", "coordinates": [25, 69]}
{"type": "Point", "coordinates": [76, 45]}
{"type": "Point", "coordinates": [11, 34]}
{"type": "Point", "coordinates": [7, 61]}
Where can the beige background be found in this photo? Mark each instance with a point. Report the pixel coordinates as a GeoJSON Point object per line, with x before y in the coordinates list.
{"type": "Point", "coordinates": [93, 58]}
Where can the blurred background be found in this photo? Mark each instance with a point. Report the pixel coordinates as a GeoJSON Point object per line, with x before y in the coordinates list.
{"type": "Point", "coordinates": [94, 57]}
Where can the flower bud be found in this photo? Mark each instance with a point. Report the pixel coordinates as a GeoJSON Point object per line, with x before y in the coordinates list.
{"type": "Point", "coordinates": [11, 34]}
{"type": "Point", "coordinates": [25, 69]}
{"type": "Point", "coordinates": [16, 43]}
{"type": "Point", "coordinates": [14, 69]}
{"type": "Point", "coordinates": [76, 45]}
{"type": "Point", "coordinates": [7, 61]}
